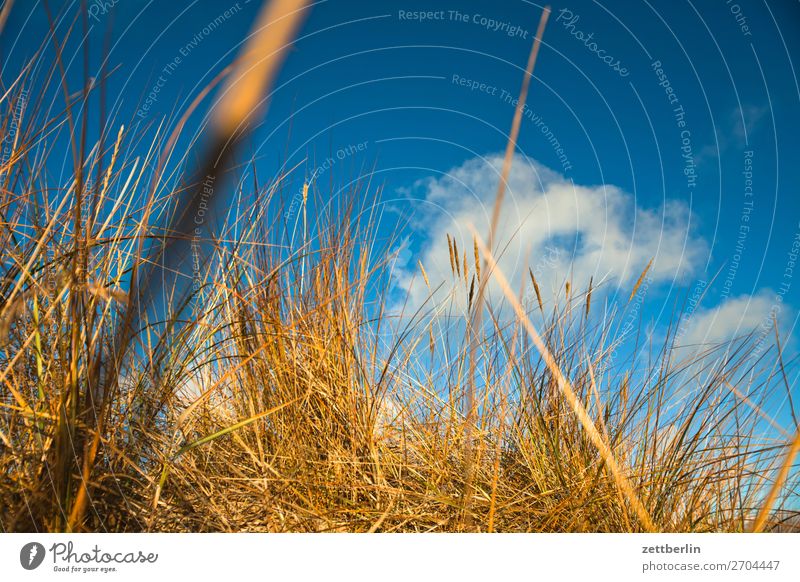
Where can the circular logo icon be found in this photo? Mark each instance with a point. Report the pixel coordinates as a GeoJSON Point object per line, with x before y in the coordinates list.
{"type": "Point", "coordinates": [31, 555]}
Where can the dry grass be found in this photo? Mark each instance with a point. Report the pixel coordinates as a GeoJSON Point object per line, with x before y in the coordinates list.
{"type": "Point", "coordinates": [267, 389]}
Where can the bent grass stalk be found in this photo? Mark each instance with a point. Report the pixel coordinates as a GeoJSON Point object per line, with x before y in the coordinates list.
{"type": "Point", "coordinates": [477, 314]}
{"type": "Point", "coordinates": [569, 394]}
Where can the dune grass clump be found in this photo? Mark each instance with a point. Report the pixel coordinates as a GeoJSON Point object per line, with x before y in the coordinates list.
{"type": "Point", "coordinates": [269, 387]}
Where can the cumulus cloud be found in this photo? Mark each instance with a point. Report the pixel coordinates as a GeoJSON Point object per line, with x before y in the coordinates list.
{"type": "Point", "coordinates": [561, 230]}
{"type": "Point", "coordinates": [735, 131]}
{"type": "Point", "coordinates": [735, 317]}
{"type": "Point", "coordinates": [709, 329]}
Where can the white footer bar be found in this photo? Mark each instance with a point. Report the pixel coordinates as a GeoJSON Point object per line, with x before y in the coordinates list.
{"type": "Point", "coordinates": [401, 557]}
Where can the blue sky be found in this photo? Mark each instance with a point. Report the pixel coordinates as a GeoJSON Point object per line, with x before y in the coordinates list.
{"type": "Point", "coordinates": [663, 130]}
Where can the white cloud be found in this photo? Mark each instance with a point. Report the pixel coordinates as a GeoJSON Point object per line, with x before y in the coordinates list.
{"type": "Point", "coordinates": [706, 337]}
{"type": "Point", "coordinates": [735, 131]}
{"type": "Point", "coordinates": [735, 317]}
{"type": "Point", "coordinates": [561, 230]}
{"type": "Point", "coordinates": [748, 119]}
